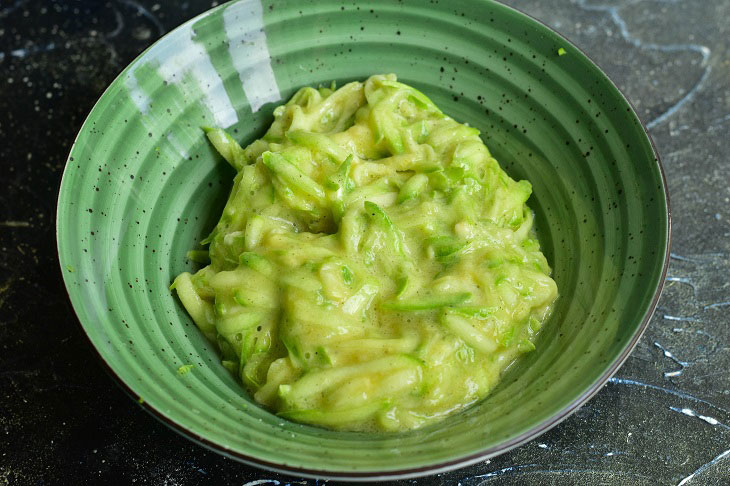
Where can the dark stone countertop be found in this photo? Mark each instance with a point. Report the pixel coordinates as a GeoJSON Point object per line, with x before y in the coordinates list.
{"type": "Point", "coordinates": [665, 418]}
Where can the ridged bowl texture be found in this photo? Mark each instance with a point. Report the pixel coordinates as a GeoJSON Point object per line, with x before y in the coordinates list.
{"type": "Point", "coordinates": [142, 187]}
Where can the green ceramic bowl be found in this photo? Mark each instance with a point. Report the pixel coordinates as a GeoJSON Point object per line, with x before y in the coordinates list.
{"type": "Point", "coordinates": [142, 186]}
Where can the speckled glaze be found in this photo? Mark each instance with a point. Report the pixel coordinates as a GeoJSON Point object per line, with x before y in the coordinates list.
{"type": "Point", "coordinates": [142, 186]}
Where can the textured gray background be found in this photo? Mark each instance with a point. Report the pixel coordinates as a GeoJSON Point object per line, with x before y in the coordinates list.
{"type": "Point", "coordinates": [665, 418]}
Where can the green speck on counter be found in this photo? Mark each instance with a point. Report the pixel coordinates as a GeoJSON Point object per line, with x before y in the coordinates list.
{"type": "Point", "coordinates": [185, 369]}
{"type": "Point", "coordinates": [140, 400]}
{"type": "Point", "coordinates": [70, 268]}
{"type": "Point", "coordinates": [562, 52]}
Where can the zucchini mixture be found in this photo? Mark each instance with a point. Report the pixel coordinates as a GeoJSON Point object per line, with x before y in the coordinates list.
{"type": "Point", "coordinates": [374, 268]}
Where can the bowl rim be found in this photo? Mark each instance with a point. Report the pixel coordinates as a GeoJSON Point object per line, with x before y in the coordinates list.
{"type": "Point", "coordinates": [412, 472]}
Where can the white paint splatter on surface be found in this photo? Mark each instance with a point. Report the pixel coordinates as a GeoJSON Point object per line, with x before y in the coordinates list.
{"type": "Point", "coordinates": [704, 467]}
{"type": "Point", "coordinates": [649, 386]}
{"type": "Point", "coordinates": [668, 354]}
{"type": "Point", "coordinates": [705, 418]}
{"type": "Point", "coordinates": [703, 51]}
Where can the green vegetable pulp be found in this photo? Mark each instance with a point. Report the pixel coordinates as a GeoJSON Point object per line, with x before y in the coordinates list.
{"type": "Point", "coordinates": [374, 268]}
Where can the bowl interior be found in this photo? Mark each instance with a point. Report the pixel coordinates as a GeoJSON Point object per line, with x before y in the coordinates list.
{"type": "Point", "coordinates": [142, 187]}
